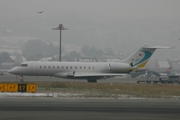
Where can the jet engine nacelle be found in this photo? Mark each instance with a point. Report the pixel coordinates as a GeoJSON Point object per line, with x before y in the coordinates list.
{"type": "Point", "coordinates": [124, 67]}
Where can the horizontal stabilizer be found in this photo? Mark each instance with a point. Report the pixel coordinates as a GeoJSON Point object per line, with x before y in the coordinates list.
{"type": "Point", "coordinates": [148, 46]}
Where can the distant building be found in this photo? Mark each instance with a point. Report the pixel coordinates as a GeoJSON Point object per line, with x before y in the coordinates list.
{"type": "Point", "coordinates": [86, 60]}
{"type": "Point", "coordinates": [113, 60]}
{"type": "Point", "coordinates": [162, 66]}
{"type": "Point", "coordinates": [47, 59]}
{"type": "Point", "coordinates": [7, 63]}
{"type": "Point", "coordinates": [18, 59]}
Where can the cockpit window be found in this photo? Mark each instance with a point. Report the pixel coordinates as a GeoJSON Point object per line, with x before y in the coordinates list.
{"type": "Point", "coordinates": [24, 65]}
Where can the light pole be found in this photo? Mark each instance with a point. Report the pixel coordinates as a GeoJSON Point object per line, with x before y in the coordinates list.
{"type": "Point", "coordinates": [60, 27]}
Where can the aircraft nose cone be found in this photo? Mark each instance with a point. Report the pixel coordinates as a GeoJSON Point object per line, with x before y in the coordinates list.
{"type": "Point", "coordinates": [13, 71]}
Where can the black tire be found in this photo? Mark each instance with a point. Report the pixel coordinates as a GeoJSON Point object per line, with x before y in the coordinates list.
{"type": "Point", "coordinates": [92, 80]}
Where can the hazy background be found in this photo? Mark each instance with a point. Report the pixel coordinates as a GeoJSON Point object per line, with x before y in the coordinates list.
{"type": "Point", "coordinates": [121, 25]}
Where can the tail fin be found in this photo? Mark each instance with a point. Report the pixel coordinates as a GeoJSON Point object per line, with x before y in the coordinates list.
{"type": "Point", "coordinates": [141, 56]}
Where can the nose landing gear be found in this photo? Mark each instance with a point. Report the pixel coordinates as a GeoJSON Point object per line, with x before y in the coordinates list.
{"type": "Point", "coordinates": [21, 78]}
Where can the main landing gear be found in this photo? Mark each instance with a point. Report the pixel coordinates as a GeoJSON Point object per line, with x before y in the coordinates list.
{"type": "Point", "coordinates": [92, 80]}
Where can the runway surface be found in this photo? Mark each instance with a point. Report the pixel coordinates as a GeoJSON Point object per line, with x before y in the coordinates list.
{"type": "Point", "coordinates": [47, 108]}
{"type": "Point", "coordinates": [88, 109]}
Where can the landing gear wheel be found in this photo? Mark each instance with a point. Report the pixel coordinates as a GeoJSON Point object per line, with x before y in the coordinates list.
{"type": "Point", "coordinates": [92, 80]}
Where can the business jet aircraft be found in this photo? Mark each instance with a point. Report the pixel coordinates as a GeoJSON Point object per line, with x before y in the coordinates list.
{"type": "Point", "coordinates": [88, 70]}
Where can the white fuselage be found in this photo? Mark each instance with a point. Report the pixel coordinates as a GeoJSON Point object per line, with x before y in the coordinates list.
{"type": "Point", "coordinates": [68, 69]}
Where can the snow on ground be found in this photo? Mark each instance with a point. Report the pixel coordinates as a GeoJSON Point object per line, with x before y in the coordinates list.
{"type": "Point", "coordinates": [7, 94]}
{"type": "Point", "coordinates": [69, 95]}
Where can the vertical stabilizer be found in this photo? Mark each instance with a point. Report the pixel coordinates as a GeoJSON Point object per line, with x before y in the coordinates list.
{"type": "Point", "coordinates": [141, 56]}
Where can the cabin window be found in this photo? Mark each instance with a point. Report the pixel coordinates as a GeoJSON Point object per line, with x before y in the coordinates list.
{"type": "Point", "coordinates": [93, 67]}
{"type": "Point", "coordinates": [71, 67]}
{"type": "Point", "coordinates": [76, 67]}
{"type": "Point", "coordinates": [84, 67]}
{"type": "Point", "coordinates": [39, 66]}
{"type": "Point", "coordinates": [53, 67]}
{"type": "Point", "coordinates": [62, 67]}
{"type": "Point", "coordinates": [57, 67]}
{"type": "Point", "coordinates": [89, 67]}
{"type": "Point", "coordinates": [44, 66]}
{"type": "Point", "coordinates": [66, 67]}
{"type": "Point", "coordinates": [80, 67]}
{"type": "Point", "coordinates": [24, 65]}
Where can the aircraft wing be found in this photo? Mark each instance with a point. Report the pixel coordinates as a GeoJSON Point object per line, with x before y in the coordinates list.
{"type": "Point", "coordinates": [86, 75]}
{"type": "Point", "coordinates": [98, 74]}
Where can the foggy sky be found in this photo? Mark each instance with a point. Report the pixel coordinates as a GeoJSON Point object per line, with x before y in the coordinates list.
{"type": "Point", "coordinates": [100, 10]}
{"type": "Point", "coordinates": [116, 24]}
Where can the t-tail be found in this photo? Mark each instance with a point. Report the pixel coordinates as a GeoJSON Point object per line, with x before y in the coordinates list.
{"type": "Point", "coordinates": [141, 56]}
